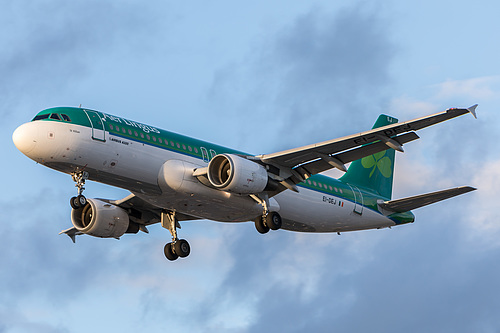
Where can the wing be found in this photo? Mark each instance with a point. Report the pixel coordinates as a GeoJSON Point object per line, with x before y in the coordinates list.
{"type": "Point", "coordinates": [407, 204]}
{"type": "Point", "coordinates": [296, 165]}
{"type": "Point", "coordinates": [142, 212]}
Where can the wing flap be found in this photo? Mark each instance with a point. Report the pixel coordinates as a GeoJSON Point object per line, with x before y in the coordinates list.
{"type": "Point", "coordinates": [410, 203]}
{"type": "Point", "coordinates": [320, 164]}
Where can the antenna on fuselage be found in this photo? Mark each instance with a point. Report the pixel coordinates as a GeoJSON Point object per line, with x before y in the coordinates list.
{"type": "Point", "coordinates": [80, 106]}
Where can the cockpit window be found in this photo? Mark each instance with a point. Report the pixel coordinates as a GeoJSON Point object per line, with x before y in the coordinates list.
{"type": "Point", "coordinates": [65, 117]}
{"type": "Point", "coordinates": [55, 116]}
{"type": "Point", "coordinates": [41, 117]}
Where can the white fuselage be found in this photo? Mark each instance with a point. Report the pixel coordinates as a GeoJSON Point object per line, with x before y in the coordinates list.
{"type": "Point", "coordinates": [158, 176]}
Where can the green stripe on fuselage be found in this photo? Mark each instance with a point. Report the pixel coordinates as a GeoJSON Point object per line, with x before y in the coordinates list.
{"type": "Point", "coordinates": [330, 187]}
{"type": "Point", "coordinates": [145, 134]}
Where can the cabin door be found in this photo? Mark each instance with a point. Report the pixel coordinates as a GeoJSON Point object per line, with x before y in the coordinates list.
{"type": "Point", "coordinates": [98, 132]}
{"type": "Point", "coordinates": [358, 200]}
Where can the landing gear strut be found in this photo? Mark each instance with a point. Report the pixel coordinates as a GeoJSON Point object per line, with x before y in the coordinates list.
{"type": "Point", "coordinates": [178, 247]}
{"type": "Point", "coordinates": [79, 201]}
{"type": "Point", "coordinates": [268, 220]}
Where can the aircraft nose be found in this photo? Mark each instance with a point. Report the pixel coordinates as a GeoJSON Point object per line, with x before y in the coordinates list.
{"type": "Point", "coordinates": [24, 138]}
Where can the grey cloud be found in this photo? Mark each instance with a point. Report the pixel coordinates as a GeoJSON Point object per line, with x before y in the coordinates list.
{"type": "Point", "coordinates": [45, 265]}
{"type": "Point", "coordinates": [338, 68]}
{"type": "Point", "coordinates": [430, 283]}
{"type": "Point", "coordinates": [57, 42]}
{"type": "Point", "coordinates": [321, 73]}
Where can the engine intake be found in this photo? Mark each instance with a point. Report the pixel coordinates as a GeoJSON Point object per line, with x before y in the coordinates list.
{"type": "Point", "coordinates": [100, 219]}
{"type": "Point", "coordinates": [232, 173]}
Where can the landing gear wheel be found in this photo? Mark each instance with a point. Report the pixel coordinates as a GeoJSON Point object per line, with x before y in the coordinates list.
{"type": "Point", "coordinates": [273, 221]}
{"type": "Point", "coordinates": [74, 203]}
{"type": "Point", "coordinates": [82, 201]}
{"type": "Point", "coordinates": [169, 253]}
{"type": "Point", "coordinates": [182, 248]}
{"type": "Point", "coordinates": [178, 247]}
{"type": "Point", "coordinates": [78, 202]}
{"type": "Point", "coordinates": [260, 226]}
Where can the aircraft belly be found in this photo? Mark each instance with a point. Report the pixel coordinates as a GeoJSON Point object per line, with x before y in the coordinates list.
{"type": "Point", "coordinates": [219, 206]}
{"type": "Point", "coordinates": [312, 211]}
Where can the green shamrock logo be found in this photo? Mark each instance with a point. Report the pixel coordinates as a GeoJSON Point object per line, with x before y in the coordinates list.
{"type": "Point", "coordinates": [378, 161]}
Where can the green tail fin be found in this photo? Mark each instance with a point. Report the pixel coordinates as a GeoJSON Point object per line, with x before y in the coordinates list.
{"type": "Point", "coordinates": [374, 172]}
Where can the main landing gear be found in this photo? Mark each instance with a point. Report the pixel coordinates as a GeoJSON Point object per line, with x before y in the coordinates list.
{"type": "Point", "coordinates": [178, 247]}
{"type": "Point", "coordinates": [79, 201]}
{"type": "Point", "coordinates": [268, 220]}
{"type": "Point", "coordinates": [271, 221]}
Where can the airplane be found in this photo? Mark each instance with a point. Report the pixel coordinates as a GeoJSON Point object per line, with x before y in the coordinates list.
{"type": "Point", "coordinates": [174, 178]}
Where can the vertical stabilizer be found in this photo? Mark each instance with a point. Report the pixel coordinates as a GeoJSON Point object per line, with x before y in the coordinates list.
{"type": "Point", "coordinates": [374, 172]}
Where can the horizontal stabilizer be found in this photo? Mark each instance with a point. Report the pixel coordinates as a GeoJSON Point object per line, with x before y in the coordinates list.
{"type": "Point", "coordinates": [410, 203]}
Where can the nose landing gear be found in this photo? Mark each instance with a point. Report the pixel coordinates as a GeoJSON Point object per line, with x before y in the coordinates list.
{"type": "Point", "coordinates": [178, 247]}
{"type": "Point", "coordinates": [79, 201]}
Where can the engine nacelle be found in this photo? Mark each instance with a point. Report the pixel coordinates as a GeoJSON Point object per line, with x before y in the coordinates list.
{"type": "Point", "coordinates": [232, 173]}
{"type": "Point", "coordinates": [100, 219]}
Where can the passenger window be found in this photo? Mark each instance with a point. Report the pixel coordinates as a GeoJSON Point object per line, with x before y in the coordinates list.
{"type": "Point", "coordinates": [65, 117]}
{"type": "Point", "coordinates": [55, 116]}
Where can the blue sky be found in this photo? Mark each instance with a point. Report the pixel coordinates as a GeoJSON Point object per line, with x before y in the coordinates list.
{"type": "Point", "coordinates": [260, 77]}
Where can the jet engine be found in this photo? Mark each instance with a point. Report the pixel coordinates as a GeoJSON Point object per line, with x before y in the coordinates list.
{"type": "Point", "coordinates": [100, 219]}
{"type": "Point", "coordinates": [236, 174]}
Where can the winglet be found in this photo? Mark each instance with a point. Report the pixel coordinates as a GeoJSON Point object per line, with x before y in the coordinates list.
{"type": "Point", "coordinates": [72, 233]}
{"type": "Point", "coordinates": [472, 110]}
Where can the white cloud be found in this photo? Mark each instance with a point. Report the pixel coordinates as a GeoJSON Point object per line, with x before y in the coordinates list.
{"type": "Point", "coordinates": [473, 88]}
{"type": "Point", "coordinates": [481, 215]}
{"type": "Point", "coordinates": [406, 106]}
